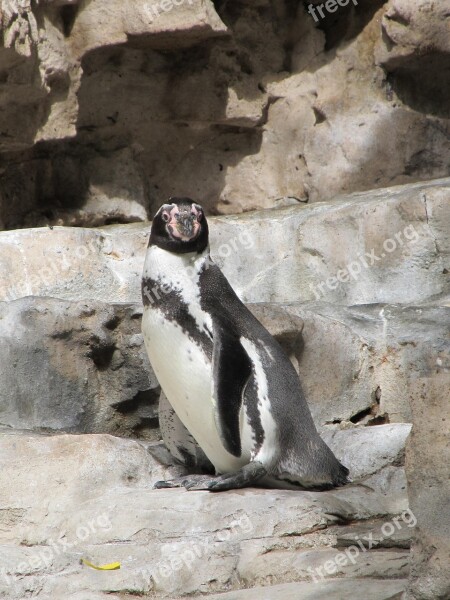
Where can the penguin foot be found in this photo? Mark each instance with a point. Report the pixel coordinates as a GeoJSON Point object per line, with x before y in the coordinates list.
{"type": "Point", "coordinates": [244, 477]}
{"type": "Point", "coordinates": [186, 481]}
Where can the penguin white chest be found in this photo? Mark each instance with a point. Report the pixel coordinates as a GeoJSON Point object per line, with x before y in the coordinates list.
{"type": "Point", "coordinates": [180, 365]}
{"type": "Point", "coordinates": [185, 374]}
{"type": "Point", "coordinates": [172, 339]}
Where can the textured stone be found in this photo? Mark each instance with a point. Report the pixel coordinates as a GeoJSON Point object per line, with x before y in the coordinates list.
{"type": "Point", "coordinates": [265, 562]}
{"type": "Point", "coordinates": [401, 538]}
{"type": "Point", "coordinates": [364, 364]}
{"type": "Point", "coordinates": [309, 246]}
{"type": "Point", "coordinates": [386, 442]}
{"type": "Point", "coordinates": [329, 590]}
{"type": "Point", "coordinates": [67, 497]}
{"type": "Point", "coordinates": [148, 24]}
{"type": "Point", "coordinates": [240, 108]}
{"type": "Point", "coordinates": [413, 31]}
{"type": "Point", "coordinates": [427, 460]}
{"type": "Point", "coordinates": [75, 366]}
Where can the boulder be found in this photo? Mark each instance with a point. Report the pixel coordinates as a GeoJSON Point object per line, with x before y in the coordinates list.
{"type": "Point", "coordinates": [388, 246]}
{"type": "Point", "coordinates": [71, 497]}
{"type": "Point", "coordinates": [366, 364]}
{"type": "Point", "coordinates": [75, 366]}
{"type": "Point", "coordinates": [82, 366]}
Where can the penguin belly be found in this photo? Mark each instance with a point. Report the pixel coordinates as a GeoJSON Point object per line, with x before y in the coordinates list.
{"type": "Point", "coordinates": [185, 374]}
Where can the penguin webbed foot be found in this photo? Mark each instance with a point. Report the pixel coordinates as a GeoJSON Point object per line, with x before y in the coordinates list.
{"type": "Point", "coordinates": [186, 481]}
{"type": "Point", "coordinates": [244, 477]}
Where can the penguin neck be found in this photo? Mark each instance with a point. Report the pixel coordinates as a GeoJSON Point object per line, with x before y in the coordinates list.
{"type": "Point", "coordinates": [168, 266]}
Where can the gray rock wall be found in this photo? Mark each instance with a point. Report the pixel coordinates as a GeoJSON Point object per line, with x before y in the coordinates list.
{"type": "Point", "coordinates": [108, 108]}
{"type": "Point", "coordinates": [73, 370]}
{"type": "Point", "coordinates": [306, 124]}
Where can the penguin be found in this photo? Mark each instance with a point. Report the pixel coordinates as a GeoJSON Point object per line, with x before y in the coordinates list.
{"type": "Point", "coordinates": [231, 395]}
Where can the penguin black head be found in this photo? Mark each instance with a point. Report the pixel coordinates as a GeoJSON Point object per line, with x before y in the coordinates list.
{"type": "Point", "coordinates": [179, 227]}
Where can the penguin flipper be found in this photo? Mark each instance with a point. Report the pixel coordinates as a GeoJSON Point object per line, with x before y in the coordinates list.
{"type": "Point", "coordinates": [232, 368]}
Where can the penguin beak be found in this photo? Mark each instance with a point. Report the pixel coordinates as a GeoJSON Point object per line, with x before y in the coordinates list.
{"type": "Point", "coordinates": [185, 225]}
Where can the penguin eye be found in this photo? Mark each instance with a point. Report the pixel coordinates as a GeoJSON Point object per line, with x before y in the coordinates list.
{"type": "Point", "coordinates": [165, 217]}
{"type": "Point", "coordinates": [199, 216]}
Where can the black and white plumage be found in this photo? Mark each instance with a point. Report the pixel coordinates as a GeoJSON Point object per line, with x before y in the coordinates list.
{"type": "Point", "coordinates": [229, 387]}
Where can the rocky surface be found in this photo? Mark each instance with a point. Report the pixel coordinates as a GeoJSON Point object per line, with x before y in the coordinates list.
{"type": "Point", "coordinates": [75, 367]}
{"type": "Point", "coordinates": [71, 362]}
{"type": "Point", "coordinates": [108, 109]}
{"type": "Point", "coordinates": [391, 246]}
{"type": "Point", "coordinates": [427, 456]}
{"type": "Point", "coordinates": [67, 497]}
{"type": "Point", "coordinates": [82, 366]}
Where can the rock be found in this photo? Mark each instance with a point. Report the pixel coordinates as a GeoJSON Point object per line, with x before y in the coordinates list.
{"type": "Point", "coordinates": [390, 482]}
{"type": "Point", "coordinates": [427, 459]}
{"type": "Point", "coordinates": [266, 562]}
{"type": "Point", "coordinates": [67, 497]}
{"type": "Point", "coordinates": [386, 442]}
{"type": "Point", "coordinates": [111, 185]}
{"type": "Point", "coordinates": [327, 590]}
{"type": "Point", "coordinates": [414, 50]}
{"type": "Point", "coordinates": [373, 534]}
{"type": "Point", "coordinates": [78, 367]}
{"type": "Point", "coordinates": [82, 366]}
{"type": "Point", "coordinates": [268, 103]}
{"type": "Point", "coordinates": [407, 224]}
{"type": "Point", "coordinates": [363, 364]}
{"type": "Point", "coordinates": [413, 32]}
{"type": "Point", "coordinates": [175, 25]}
{"type": "Point", "coordinates": [147, 24]}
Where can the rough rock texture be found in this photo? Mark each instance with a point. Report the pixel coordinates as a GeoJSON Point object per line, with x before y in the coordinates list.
{"type": "Point", "coordinates": [82, 366]}
{"type": "Point", "coordinates": [428, 456]}
{"type": "Point", "coordinates": [76, 367]}
{"type": "Point", "coordinates": [377, 357]}
{"type": "Point", "coordinates": [414, 38]}
{"type": "Point", "coordinates": [391, 246]}
{"type": "Point", "coordinates": [67, 497]}
{"type": "Point", "coordinates": [108, 107]}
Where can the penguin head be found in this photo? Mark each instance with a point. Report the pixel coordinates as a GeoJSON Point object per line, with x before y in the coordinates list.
{"type": "Point", "coordinates": [180, 226]}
